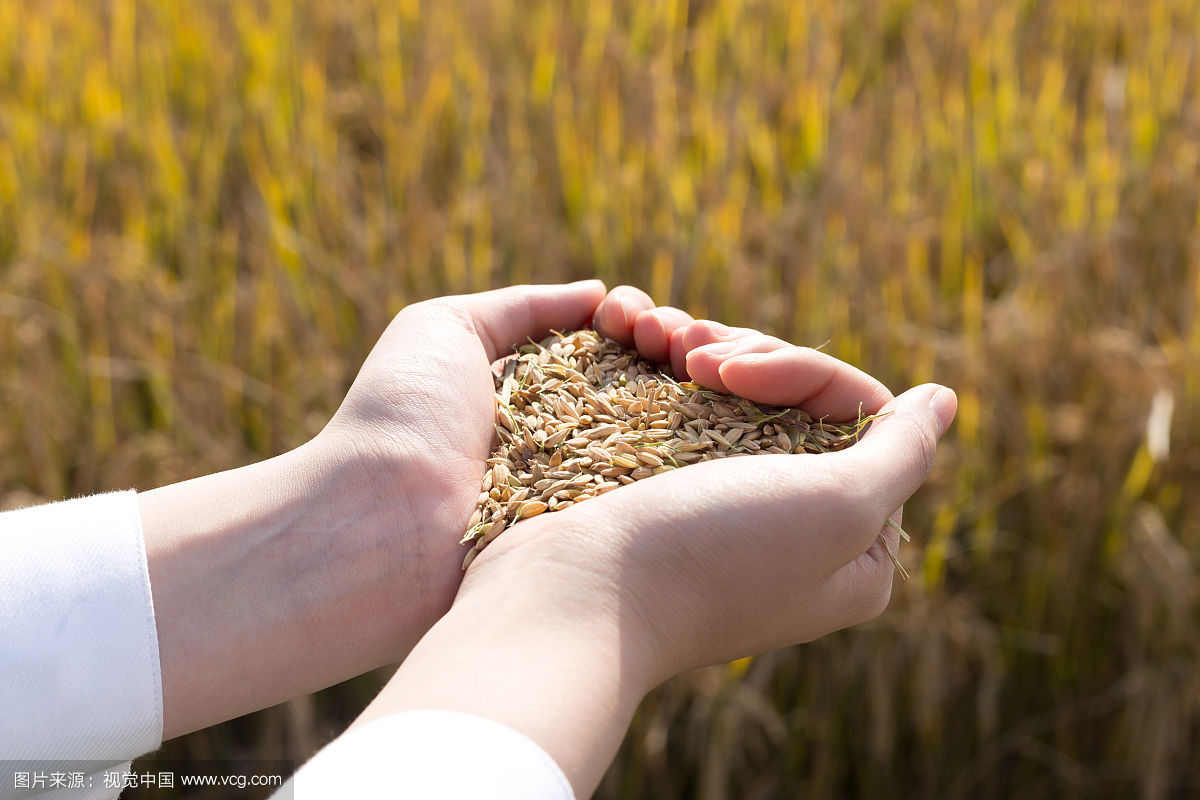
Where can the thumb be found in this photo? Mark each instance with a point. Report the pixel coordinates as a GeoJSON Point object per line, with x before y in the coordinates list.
{"type": "Point", "coordinates": [504, 317]}
{"type": "Point", "coordinates": [896, 453]}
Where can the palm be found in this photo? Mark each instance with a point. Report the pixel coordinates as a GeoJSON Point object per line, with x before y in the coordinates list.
{"type": "Point", "coordinates": [419, 420]}
{"type": "Point", "coordinates": [426, 396]}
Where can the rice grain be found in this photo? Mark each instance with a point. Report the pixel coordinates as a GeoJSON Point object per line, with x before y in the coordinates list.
{"type": "Point", "coordinates": [577, 416]}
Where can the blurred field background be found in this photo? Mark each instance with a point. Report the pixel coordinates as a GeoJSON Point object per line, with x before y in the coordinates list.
{"type": "Point", "coordinates": [209, 211]}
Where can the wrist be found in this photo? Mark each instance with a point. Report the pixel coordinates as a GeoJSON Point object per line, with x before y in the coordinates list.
{"type": "Point", "coordinates": [593, 566]}
{"type": "Point", "coordinates": [268, 583]}
{"type": "Point", "coordinates": [591, 597]}
{"type": "Point", "coordinates": [532, 644]}
{"type": "Point", "coordinates": [374, 506]}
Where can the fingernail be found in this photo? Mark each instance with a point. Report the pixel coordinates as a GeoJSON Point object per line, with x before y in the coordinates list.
{"type": "Point", "coordinates": [943, 404]}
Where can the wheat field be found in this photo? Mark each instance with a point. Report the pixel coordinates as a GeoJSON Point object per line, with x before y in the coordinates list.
{"type": "Point", "coordinates": [210, 210]}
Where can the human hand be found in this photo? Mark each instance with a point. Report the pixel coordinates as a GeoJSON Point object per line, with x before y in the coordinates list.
{"type": "Point", "coordinates": [419, 421]}
{"type": "Point", "coordinates": [732, 557]}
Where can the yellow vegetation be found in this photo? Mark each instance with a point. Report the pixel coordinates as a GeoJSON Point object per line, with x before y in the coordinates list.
{"type": "Point", "coordinates": [208, 211]}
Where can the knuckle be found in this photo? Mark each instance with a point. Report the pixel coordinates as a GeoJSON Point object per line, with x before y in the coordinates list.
{"type": "Point", "coordinates": [922, 447]}
{"type": "Point", "coordinates": [438, 307]}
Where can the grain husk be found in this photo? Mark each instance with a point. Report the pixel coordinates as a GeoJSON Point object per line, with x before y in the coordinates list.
{"type": "Point", "coordinates": [578, 415]}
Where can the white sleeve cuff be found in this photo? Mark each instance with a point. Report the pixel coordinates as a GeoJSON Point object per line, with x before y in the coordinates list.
{"type": "Point", "coordinates": [79, 667]}
{"type": "Point", "coordinates": [440, 755]}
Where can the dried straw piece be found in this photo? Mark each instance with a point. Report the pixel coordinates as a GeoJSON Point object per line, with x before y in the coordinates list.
{"type": "Point", "coordinates": [577, 415]}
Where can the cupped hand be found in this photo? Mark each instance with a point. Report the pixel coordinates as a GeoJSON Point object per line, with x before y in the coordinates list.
{"type": "Point", "coordinates": [419, 421]}
{"type": "Point", "coordinates": [729, 558]}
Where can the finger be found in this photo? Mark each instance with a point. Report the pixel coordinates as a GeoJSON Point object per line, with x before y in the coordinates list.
{"type": "Point", "coordinates": [616, 313]}
{"type": "Point", "coordinates": [704, 363]}
{"type": "Point", "coordinates": [800, 376]}
{"type": "Point", "coordinates": [506, 317]}
{"type": "Point", "coordinates": [698, 334]}
{"type": "Point", "coordinates": [652, 331]}
{"type": "Point", "coordinates": [704, 331]}
{"type": "Point", "coordinates": [678, 355]}
{"type": "Point", "coordinates": [896, 453]}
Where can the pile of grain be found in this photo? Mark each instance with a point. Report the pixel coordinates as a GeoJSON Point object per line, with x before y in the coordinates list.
{"type": "Point", "coordinates": [578, 415]}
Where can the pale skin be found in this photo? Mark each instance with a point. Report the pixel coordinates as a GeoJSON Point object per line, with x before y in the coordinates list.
{"type": "Point", "coordinates": [286, 576]}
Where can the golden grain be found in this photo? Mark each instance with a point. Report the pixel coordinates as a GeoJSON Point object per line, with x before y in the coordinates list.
{"type": "Point", "coordinates": [589, 421]}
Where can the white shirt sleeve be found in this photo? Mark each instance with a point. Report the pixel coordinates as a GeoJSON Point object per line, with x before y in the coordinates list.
{"type": "Point", "coordinates": [431, 755]}
{"type": "Point", "coordinates": [79, 669]}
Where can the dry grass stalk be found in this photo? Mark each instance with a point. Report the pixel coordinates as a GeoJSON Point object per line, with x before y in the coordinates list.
{"type": "Point", "coordinates": [578, 415]}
